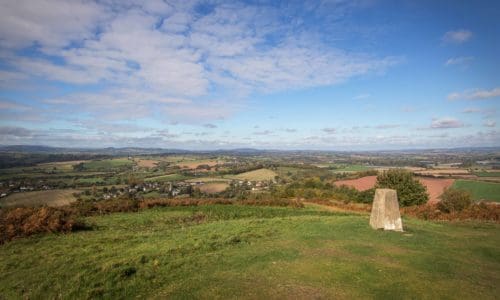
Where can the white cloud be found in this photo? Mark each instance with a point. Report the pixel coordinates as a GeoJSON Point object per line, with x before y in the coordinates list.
{"type": "Point", "coordinates": [471, 110]}
{"type": "Point", "coordinates": [14, 131]}
{"type": "Point", "coordinates": [265, 132]}
{"type": "Point", "coordinates": [163, 61]}
{"type": "Point", "coordinates": [446, 123]}
{"type": "Point", "coordinates": [169, 54]}
{"type": "Point", "coordinates": [50, 23]}
{"type": "Point", "coordinates": [8, 78]}
{"type": "Point", "coordinates": [292, 66]}
{"type": "Point", "coordinates": [475, 94]}
{"type": "Point", "coordinates": [490, 123]}
{"type": "Point", "coordinates": [177, 23]}
{"type": "Point", "coordinates": [457, 36]}
{"type": "Point", "coordinates": [200, 112]}
{"type": "Point", "coordinates": [329, 130]}
{"type": "Point", "coordinates": [9, 105]}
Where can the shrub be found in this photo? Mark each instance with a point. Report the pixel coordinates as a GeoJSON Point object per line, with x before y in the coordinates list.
{"type": "Point", "coordinates": [88, 208]}
{"type": "Point", "coordinates": [366, 196]}
{"type": "Point", "coordinates": [454, 200]}
{"type": "Point", "coordinates": [481, 211]}
{"type": "Point", "coordinates": [117, 205]}
{"type": "Point", "coordinates": [150, 203]}
{"type": "Point", "coordinates": [410, 190]}
{"type": "Point", "coordinates": [25, 221]}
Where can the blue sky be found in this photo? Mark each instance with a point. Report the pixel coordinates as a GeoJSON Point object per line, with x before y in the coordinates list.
{"type": "Point", "coordinates": [329, 75]}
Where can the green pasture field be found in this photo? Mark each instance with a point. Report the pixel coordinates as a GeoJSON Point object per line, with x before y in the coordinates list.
{"type": "Point", "coordinates": [107, 164]}
{"type": "Point", "coordinates": [487, 174]}
{"type": "Point", "coordinates": [169, 177]}
{"type": "Point", "coordinates": [351, 168]}
{"type": "Point", "coordinates": [480, 190]}
{"type": "Point", "coordinates": [209, 179]}
{"type": "Point", "coordinates": [225, 251]}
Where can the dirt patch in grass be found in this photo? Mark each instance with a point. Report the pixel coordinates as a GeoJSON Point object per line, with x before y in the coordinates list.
{"type": "Point", "coordinates": [212, 188]}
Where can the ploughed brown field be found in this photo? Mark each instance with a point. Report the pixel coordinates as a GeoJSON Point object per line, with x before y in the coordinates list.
{"type": "Point", "coordinates": [147, 163]}
{"type": "Point", "coordinates": [361, 184]}
{"type": "Point", "coordinates": [435, 186]}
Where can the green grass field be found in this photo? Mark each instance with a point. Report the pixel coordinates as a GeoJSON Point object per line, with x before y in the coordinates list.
{"type": "Point", "coordinates": [480, 190]}
{"type": "Point", "coordinates": [351, 168]}
{"type": "Point", "coordinates": [253, 252]}
{"type": "Point", "coordinates": [487, 174]}
{"type": "Point", "coordinates": [107, 164]}
{"type": "Point", "coordinates": [169, 177]}
{"type": "Point", "coordinates": [209, 179]}
{"type": "Point", "coordinates": [39, 198]}
{"type": "Point", "coordinates": [256, 175]}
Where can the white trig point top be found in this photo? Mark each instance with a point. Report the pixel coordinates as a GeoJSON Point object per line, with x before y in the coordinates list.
{"type": "Point", "coordinates": [385, 211]}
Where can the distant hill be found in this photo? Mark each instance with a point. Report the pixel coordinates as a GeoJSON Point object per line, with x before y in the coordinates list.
{"type": "Point", "coordinates": [40, 149]}
{"type": "Point", "coordinates": [97, 151]}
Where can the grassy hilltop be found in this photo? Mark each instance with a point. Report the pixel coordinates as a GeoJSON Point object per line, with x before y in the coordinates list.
{"type": "Point", "coordinates": [253, 252]}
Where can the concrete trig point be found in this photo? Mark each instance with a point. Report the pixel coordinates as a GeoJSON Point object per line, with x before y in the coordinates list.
{"type": "Point", "coordinates": [385, 211]}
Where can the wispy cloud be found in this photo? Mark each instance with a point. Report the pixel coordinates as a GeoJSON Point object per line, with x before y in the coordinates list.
{"type": "Point", "coordinates": [265, 132]}
{"type": "Point", "coordinates": [329, 130]}
{"type": "Point", "coordinates": [490, 123]}
{"type": "Point", "coordinates": [471, 110]}
{"type": "Point", "coordinates": [14, 131]}
{"type": "Point", "coordinates": [10, 105]}
{"type": "Point", "coordinates": [387, 126]}
{"type": "Point", "coordinates": [475, 94]}
{"type": "Point", "coordinates": [446, 123]}
{"type": "Point", "coordinates": [457, 36]}
{"type": "Point", "coordinates": [462, 61]}
{"type": "Point", "coordinates": [209, 125]}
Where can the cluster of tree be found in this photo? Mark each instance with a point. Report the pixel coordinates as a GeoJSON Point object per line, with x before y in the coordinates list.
{"type": "Point", "coordinates": [410, 190]}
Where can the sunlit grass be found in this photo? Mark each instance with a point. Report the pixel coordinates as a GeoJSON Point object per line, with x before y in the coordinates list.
{"type": "Point", "coordinates": [253, 252]}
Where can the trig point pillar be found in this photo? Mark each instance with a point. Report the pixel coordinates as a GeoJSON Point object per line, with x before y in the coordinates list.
{"type": "Point", "coordinates": [385, 211]}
